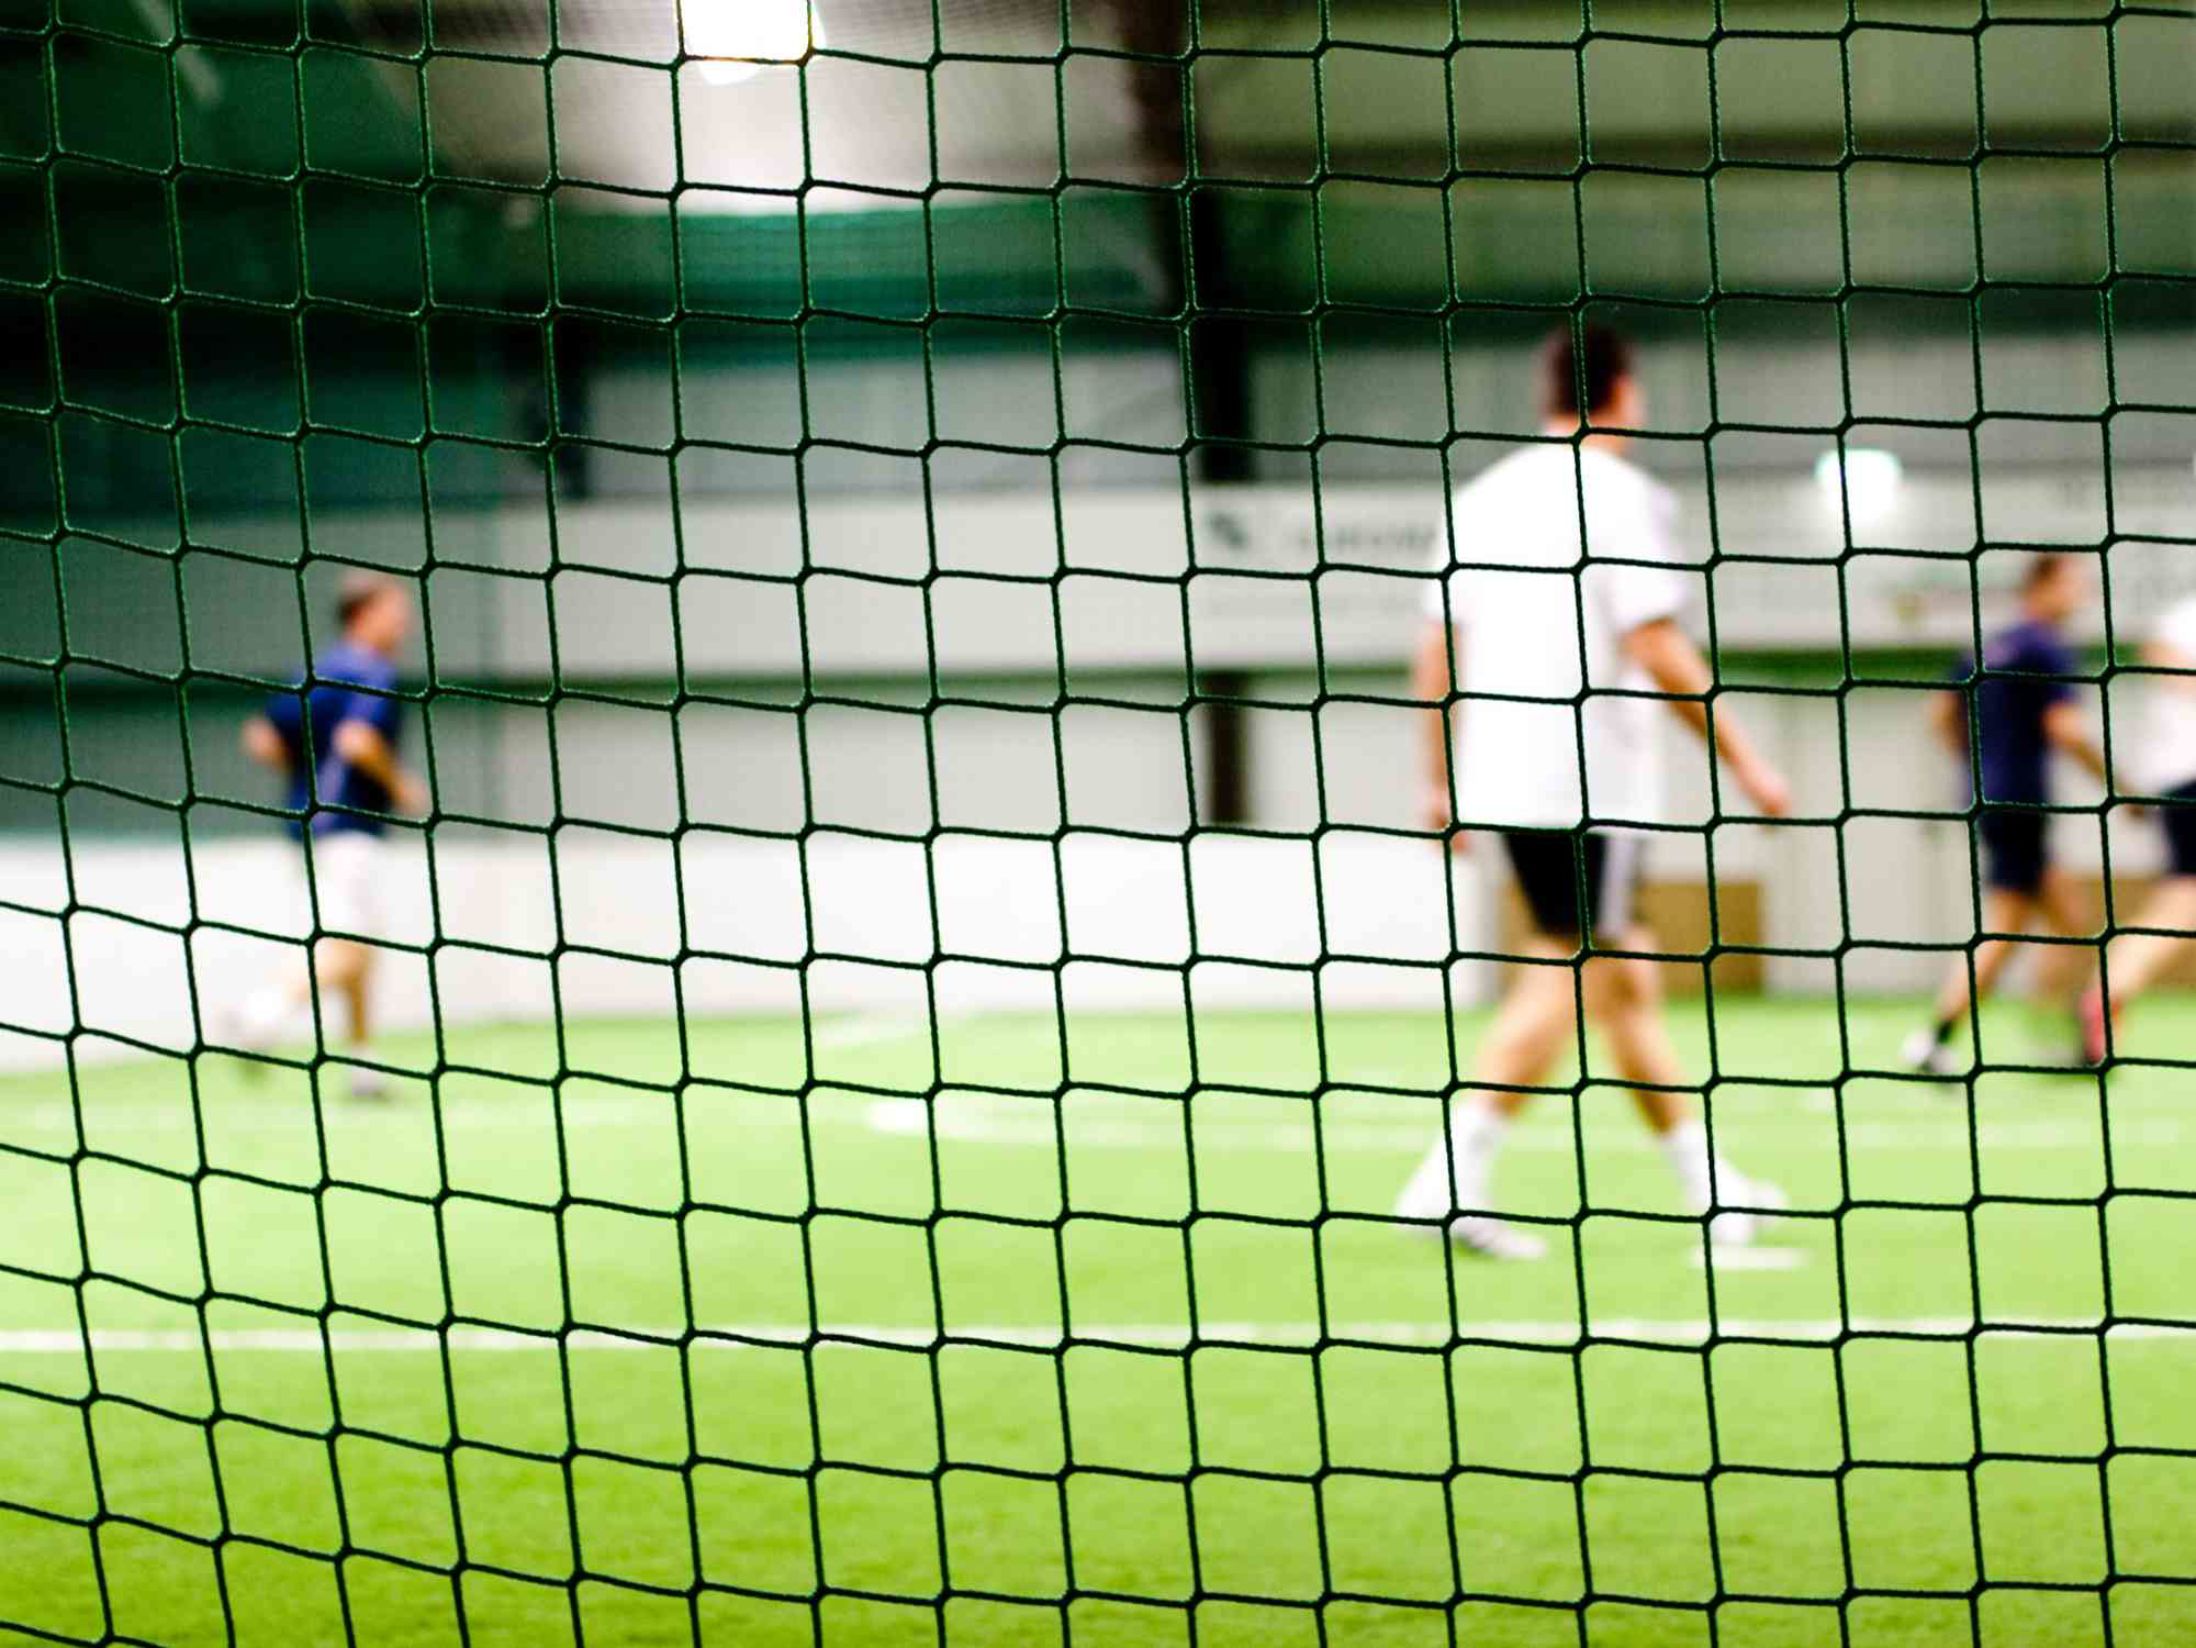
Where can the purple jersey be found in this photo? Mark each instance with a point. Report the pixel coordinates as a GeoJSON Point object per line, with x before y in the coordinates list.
{"type": "Point", "coordinates": [2027, 668]}
{"type": "Point", "coordinates": [347, 684]}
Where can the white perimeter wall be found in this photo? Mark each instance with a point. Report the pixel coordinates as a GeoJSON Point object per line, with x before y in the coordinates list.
{"type": "Point", "coordinates": [626, 909]}
{"type": "Point", "coordinates": [589, 922]}
{"type": "Point", "coordinates": [1129, 906]}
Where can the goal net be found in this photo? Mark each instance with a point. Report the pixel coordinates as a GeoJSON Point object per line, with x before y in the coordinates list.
{"type": "Point", "coordinates": [811, 610]}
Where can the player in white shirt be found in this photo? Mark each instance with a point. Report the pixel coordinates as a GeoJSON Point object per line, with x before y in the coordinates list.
{"type": "Point", "coordinates": [1556, 765]}
{"type": "Point", "coordinates": [2167, 920]}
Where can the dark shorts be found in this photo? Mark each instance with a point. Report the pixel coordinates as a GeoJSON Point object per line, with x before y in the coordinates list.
{"type": "Point", "coordinates": [1559, 871]}
{"type": "Point", "coordinates": [2177, 817]}
{"type": "Point", "coordinates": [2015, 847]}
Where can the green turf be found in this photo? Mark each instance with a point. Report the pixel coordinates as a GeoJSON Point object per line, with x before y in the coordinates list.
{"type": "Point", "coordinates": [1359, 1420]}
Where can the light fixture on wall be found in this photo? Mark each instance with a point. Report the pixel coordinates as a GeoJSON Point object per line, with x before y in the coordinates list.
{"type": "Point", "coordinates": [1866, 482]}
{"type": "Point", "coordinates": [735, 40]}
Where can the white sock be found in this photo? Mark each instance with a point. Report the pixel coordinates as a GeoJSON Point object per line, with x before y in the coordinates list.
{"type": "Point", "coordinates": [1686, 1145]}
{"type": "Point", "coordinates": [266, 1013]}
{"type": "Point", "coordinates": [1476, 1131]}
{"type": "Point", "coordinates": [1455, 1171]}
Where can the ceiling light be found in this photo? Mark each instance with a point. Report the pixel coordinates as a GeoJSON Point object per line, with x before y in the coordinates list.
{"type": "Point", "coordinates": [735, 40]}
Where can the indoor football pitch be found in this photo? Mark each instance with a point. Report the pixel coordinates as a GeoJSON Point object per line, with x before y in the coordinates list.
{"type": "Point", "coordinates": [737, 1334]}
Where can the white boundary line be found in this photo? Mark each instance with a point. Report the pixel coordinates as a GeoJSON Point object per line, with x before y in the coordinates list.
{"type": "Point", "coordinates": [990, 1123]}
{"type": "Point", "coordinates": [1730, 1256]}
{"type": "Point", "coordinates": [1087, 1126]}
{"type": "Point", "coordinates": [869, 1029]}
{"type": "Point", "coordinates": [1162, 1335]}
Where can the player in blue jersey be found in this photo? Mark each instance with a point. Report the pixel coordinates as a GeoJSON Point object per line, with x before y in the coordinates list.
{"type": "Point", "coordinates": [334, 738]}
{"type": "Point", "coordinates": [2020, 705]}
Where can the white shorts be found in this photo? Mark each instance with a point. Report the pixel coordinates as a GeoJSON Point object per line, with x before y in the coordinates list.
{"type": "Point", "coordinates": [348, 870]}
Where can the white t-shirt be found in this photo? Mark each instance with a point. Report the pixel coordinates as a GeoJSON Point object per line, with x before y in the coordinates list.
{"type": "Point", "coordinates": [2169, 721]}
{"type": "Point", "coordinates": [1531, 612]}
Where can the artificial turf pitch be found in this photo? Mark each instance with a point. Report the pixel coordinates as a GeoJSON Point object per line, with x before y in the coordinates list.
{"type": "Point", "coordinates": [777, 1356]}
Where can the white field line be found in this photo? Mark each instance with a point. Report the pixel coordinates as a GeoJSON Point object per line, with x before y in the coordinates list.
{"type": "Point", "coordinates": [869, 1029]}
{"type": "Point", "coordinates": [1160, 1335]}
{"type": "Point", "coordinates": [993, 1126]}
{"type": "Point", "coordinates": [1032, 1127]}
{"type": "Point", "coordinates": [1731, 1257]}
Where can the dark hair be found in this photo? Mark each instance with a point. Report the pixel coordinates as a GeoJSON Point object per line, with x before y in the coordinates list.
{"type": "Point", "coordinates": [1593, 359]}
{"type": "Point", "coordinates": [2043, 566]}
{"type": "Point", "coordinates": [360, 590]}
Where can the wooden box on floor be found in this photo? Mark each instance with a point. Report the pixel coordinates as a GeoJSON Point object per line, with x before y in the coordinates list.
{"type": "Point", "coordinates": [1679, 915]}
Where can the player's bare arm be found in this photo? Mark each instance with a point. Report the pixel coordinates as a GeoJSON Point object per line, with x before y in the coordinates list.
{"type": "Point", "coordinates": [1948, 720]}
{"type": "Point", "coordinates": [264, 744]}
{"type": "Point", "coordinates": [1677, 668]}
{"type": "Point", "coordinates": [2180, 668]}
{"type": "Point", "coordinates": [1433, 671]}
{"type": "Point", "coordinates": [361, 746]}
{"type": "Point", "coordinates": [2067, 730]}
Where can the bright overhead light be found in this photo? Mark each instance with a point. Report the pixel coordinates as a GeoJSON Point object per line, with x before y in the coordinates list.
{"type": "Point", "coordinates": [736, 40]}
{"type": "Point", "coordinates": [1865, 483]}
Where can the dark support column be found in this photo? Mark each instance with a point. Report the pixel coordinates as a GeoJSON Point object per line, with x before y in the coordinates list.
{"type": "Point", "coordinates": [1224, 748]}
{"type": "Point", "coordinates": [1219, 351]}
{"type": "Point", "coordinates": [1191, 245]}
{"type": "Point", "coordinates": [574, 367]}
{"type": "Point", "coordinates": [1219, 348]}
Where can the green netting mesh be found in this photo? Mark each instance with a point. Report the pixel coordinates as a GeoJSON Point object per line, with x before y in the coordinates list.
{"type": "Point", "coordinates": [924, 972]}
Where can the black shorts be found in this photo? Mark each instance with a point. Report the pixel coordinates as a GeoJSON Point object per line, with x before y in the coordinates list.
{"type": "Point", "coordinates": [2177, 817]}
{"type": "Point", "coordinates": [2015, 847]}
{"type": "Point", "coordinates": [1558, 869]}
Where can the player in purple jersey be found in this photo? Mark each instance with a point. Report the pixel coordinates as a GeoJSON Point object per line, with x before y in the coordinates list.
{"type": "Point", "coordinates": [333, 738]}
{"type": "Point", "coordinates": [2019, 705]}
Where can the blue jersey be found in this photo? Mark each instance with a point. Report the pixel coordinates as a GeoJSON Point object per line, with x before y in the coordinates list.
{"type": "Point", "coordinates": [2026, 670]}
{"type": "Point", "coordinates": [348, 684]}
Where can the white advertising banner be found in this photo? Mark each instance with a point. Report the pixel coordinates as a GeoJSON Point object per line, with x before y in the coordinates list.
{"type": "Point", "coordinates": [1252, 576]}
